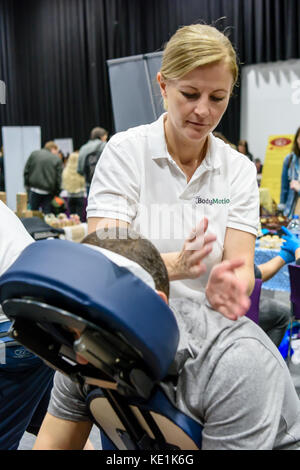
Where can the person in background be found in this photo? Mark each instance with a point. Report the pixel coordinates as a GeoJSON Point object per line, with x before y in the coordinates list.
{"type": "Point", "coordinates": [96, 143]}
{"type": "Point", "coordinates": [259, 168]}
{"type": "Point", "coordinates": [274, 316]}
{"type": "Point", "coordinates": [42, 177]}
{"type": "Point", "coordinates": [74, 184]}
{"type": "Point", "coordinates": [290, 179]}
{"type": "Point", "coordinates": [221, 136]}
{"type": "Point", "coordinates": [243, 148]}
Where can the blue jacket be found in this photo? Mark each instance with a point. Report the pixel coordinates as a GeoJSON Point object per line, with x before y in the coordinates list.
{"type": "Point", "coordinates": [290, 171]}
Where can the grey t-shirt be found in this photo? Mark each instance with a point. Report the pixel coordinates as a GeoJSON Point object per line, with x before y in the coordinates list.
{"type": "Point", "coordinates": [232, 380]}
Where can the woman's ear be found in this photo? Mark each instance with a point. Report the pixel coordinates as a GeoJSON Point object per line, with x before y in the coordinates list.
{"type": "Point", "coordinates": [162, 84]}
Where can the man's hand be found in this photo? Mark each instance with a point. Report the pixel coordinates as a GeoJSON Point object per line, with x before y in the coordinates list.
{"type": "Point", "coordinates": [189, 263]}
{"type": "Point", "coordinates": [225, 292]}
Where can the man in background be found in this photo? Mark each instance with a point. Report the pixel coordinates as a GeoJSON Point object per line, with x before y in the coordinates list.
{"type": "Point", "coordinates": [42, 177]}
{"type": "Point", "coordinates": [93, 148]}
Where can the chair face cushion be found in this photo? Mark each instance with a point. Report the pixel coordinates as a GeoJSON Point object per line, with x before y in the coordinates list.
{"type": "Point", "coordinates": [77, 279]}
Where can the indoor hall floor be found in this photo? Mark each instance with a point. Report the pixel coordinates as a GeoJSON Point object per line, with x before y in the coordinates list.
{"type": "Point", "coordinates": [28, 439]}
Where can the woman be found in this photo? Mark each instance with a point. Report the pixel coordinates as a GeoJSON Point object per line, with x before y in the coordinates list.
{"type": "Point", "coordinates": [243, 148]}
{"type": "Point", "coordinates": [290, 178]}
{"type": "Point", "coordinates": [74, 184]}
{"type": "Point", "coordinates": [163, 178]}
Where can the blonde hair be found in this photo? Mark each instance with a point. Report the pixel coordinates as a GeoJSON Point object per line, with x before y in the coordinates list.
{"type": "Point", "coordinates": [194, 46]}
{"type": "Point", "coordinates": [72, 181]}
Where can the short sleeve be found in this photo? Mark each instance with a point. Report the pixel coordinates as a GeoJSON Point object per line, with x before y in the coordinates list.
{"type": "Point", "coordinates": [67, 401]}
{"type": "Point", "coordinates": [115, 187]}
{"type": "Point", "coordinates": [244, 199]}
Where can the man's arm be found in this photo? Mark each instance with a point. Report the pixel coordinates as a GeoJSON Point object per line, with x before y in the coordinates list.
{"type": "Point", "coordinates": [60, 434]}
{"type": "Point", "coordinates": [241, 245]}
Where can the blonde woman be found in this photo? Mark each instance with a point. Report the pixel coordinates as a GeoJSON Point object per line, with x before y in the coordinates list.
{"type": "Point", "coordinates": [162, 179]}
{"type": "Point", "coordinates": [74, 184]}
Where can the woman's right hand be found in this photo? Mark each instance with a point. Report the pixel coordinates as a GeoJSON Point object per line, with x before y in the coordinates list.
{"type": "Point", "coordinates": [188, 263]}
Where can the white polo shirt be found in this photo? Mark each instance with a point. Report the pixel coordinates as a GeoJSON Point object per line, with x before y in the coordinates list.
{"type": "Point", "coordinates": [137, 181]}
{"type": "Point", "coordinates": [13, 240]}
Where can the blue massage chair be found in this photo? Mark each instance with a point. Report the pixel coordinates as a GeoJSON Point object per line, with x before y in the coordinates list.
{"type": "Point", "coordinates": [128, 334]}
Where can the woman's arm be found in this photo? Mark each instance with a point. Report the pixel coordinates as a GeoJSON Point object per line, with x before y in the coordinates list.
{"type": "Point", "coordinates": [284, 182]}
{"type": "Point", "coordinates": [241, 245]}
{"type": "Point", "coordinates": [99, 223]}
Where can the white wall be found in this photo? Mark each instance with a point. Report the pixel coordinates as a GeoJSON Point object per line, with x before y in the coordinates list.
{"type": "Point", "coordinates": [270, 103]}
{"type": "Point", "coordinates": [18, 143]}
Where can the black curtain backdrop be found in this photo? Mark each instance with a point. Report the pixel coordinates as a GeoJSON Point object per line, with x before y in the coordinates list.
{"type": "Point", "coordinates": [53, 52]}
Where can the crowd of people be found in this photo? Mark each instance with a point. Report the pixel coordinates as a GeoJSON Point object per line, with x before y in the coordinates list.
{"type": "Point", "coordinates": [231, 377]}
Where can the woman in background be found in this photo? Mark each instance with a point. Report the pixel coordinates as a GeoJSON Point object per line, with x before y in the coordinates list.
{"type": "Point", "coordinates": [290, 178]}
{"type": "Point", "coordinates": [243, 148]}
{"type": "Point", "coordinates": [74, 184]}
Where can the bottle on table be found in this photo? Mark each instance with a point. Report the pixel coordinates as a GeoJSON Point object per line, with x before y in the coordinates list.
{"type": "Point", "coordinates": [294, 226]}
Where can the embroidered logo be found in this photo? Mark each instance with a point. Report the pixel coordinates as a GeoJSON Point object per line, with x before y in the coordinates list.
{"type": "Point", "coordinates": [211, 202]}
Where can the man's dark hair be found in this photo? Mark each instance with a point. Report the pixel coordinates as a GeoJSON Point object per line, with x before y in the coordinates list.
{"type": "Point", "coordinates": [133, 246]}
{"type": "Point", "coordinates": [97, 133]}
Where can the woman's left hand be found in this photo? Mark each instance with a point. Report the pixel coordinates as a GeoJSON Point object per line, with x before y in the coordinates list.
{"type": "Point", "coordinates": [295, 185]}
{"type": "Point", "coordinates": [225, 292]}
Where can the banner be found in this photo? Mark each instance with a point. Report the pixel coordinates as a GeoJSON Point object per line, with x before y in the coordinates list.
{"type": "Point", "coordinates": [279, 146]}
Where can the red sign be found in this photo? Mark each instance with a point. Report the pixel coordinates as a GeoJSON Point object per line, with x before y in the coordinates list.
{"type": "Point", "coordinates": [281, 142]}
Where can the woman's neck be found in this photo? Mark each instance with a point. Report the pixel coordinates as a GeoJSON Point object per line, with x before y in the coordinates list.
{"type": "Point", "coordinates": [182, 151]}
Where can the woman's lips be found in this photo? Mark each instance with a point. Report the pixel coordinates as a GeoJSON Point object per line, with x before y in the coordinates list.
{"type": "Point", "coordinates": [198, 124]}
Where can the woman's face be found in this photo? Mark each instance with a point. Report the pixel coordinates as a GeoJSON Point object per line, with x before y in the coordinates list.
{"type": "Point", "coordinates": [197, 101]}
{"type": "Point", "coordinates": [242, 148]}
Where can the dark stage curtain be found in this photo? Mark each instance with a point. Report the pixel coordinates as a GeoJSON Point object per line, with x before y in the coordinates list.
{"type": "Point", "coordinates": [53, 52]}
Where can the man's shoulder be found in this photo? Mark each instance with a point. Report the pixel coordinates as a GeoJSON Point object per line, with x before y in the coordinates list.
{"type": "Point", "coordinates": [213, 334]}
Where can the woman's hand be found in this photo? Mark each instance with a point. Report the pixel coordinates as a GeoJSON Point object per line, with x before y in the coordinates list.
{"type": "Point", "coordinates": [189, 262]}
{"type": "Point", "coordinates": [225, 292]}
{"type": "Point", "coordinates": [295, 185]}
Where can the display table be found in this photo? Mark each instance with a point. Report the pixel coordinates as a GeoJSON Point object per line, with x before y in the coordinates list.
{"type": "Point", "coordinates": [281, 281]}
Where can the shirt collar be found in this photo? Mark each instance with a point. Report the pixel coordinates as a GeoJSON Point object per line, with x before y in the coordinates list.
{"type": "Point", "coordinates": [158, 146]}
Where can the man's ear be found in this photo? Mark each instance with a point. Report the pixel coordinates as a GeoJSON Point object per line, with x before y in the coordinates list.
{"type": "Point", "coordinates": [163, 296]}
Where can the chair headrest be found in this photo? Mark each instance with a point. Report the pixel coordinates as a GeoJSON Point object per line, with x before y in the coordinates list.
{"type": "Point", "coordinates": [71, 281]}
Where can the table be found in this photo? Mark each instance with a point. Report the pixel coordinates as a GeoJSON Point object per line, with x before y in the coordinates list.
{"type": "Point", "coordinates": [281, 281]}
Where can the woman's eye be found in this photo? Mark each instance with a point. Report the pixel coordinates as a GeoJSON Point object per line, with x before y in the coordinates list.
{"type": "Point", "coordinates": [217, 98]}
{"type": "Point", "coordinates": [190, 96]}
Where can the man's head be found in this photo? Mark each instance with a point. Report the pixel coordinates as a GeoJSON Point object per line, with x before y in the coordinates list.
{"type": "Point", "coordinates": [133, 246]}
{"type": "Point", "coordinates": [99, 133]}
{"type": "Point", "coordinates": [51, 147]}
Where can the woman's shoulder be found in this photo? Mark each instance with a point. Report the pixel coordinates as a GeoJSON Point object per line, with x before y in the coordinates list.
{"type": "Point", "coordinates": [229, 155]}
{"type": "Point", "coordinates": [133, 133]}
